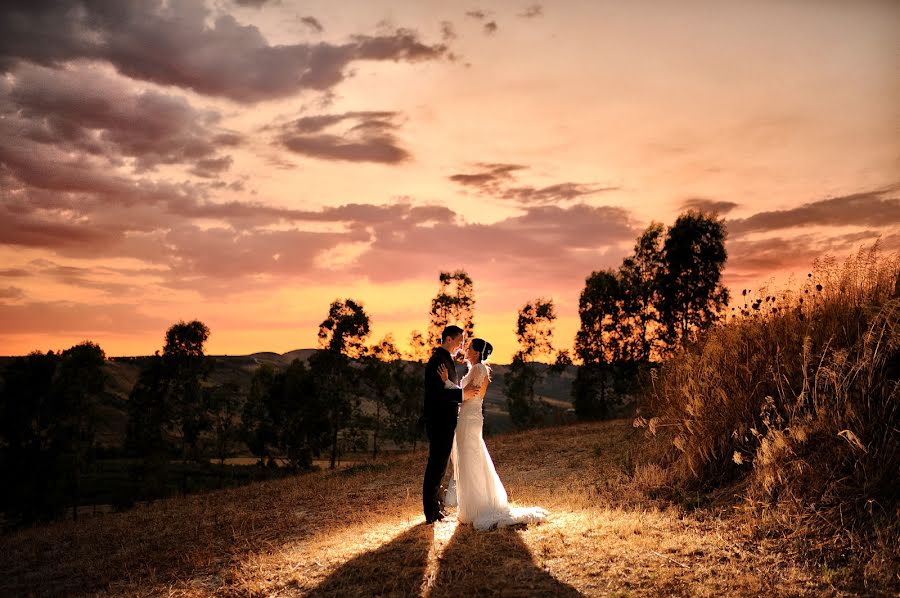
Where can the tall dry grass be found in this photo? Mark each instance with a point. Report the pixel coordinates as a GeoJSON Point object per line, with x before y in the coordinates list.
{"type": "Point", "coordinates": [796, 396]}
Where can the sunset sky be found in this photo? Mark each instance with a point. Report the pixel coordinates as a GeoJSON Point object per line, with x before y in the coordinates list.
{"type": "Point", "coordinates": [245, 163]}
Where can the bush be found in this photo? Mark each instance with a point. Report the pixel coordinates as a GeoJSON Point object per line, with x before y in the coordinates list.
{"type": "Point", "coordinates": [797, 395]}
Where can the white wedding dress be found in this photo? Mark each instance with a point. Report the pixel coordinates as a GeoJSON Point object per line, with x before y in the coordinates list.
{"type": "Point", "coordinates": [480, 495]}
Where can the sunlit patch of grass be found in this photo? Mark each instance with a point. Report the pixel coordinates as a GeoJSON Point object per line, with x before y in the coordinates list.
{"type": "Point", "coordinates": [325, 534]}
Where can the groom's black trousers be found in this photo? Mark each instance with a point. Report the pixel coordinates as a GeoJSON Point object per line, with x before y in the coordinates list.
{"type": "Point", "coordinates": [440, 443]}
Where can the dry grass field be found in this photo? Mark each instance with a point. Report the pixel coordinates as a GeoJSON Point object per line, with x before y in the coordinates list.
{"type": "Point", "coordinates": [359, 532]}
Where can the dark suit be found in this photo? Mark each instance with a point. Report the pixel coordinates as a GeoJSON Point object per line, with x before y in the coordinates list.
{"type": "Point", "coordinates": [441, 411]}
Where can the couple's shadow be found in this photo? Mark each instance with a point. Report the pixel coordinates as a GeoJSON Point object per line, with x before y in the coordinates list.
{"type": "Point", "coordinates": [474, 563]}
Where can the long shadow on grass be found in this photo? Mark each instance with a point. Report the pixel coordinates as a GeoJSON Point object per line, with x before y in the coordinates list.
{"type": "Point", "coordinates": [493, 563]}
{"type": "Point", "coordinates": [393, 569]}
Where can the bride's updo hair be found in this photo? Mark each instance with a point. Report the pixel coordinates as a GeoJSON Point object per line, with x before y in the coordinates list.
{"type": "Point", "coordinates": [483, 348]}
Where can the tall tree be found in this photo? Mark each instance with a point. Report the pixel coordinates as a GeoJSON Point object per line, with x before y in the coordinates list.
{"type": "Point", "coordinates": [599, 343]}
{"type": "Point", "coordinates": [534, 332]}
{"type": "Point", "coordinates": [379, 372]}
{"type": "Point", "coordinates": [47, 429]}
{"type": "Point", "coordinates": [186, 367]}
{"type": "Point", "coordinates": [259, 428]}
{"type": "Point", "coordinates": [453, 304]}
{"type": "Point", "coordinates": [345, 329]}
{"type": "Point", "coordinates": [342, 336]}
{"type": "Point", "coordinates": [28, 411]}
{"type": "Point", "coordinates": [601, 309]}
{"type": "Point", "coordinates": [151, 419]}
{"type": "Point", "coordinates": [286, 415]}
{"type": "Point", "coordinates": [300, 406]}
{"type": "Point", "coordinates": [168, 402]}
{"type": "Point", "coordinates": [80, 379]}
{"type": "Point", "coordinates": [223, 403]}
{"type": "Point", "coordinates": [692, 296]}
{"type": "Point", "coordinates": [534, 329]}
{"type": "Point", "coordinates": [418, 347]}
{"type": "Point", "coordinates": [405, 408]}
{"type": "Point", "coordinates": [640, 276]}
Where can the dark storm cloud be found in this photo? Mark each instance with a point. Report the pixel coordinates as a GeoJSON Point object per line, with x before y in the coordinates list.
{"type": "Point", "coordinates": [491, 175]}
{"type": "Point", "coordinates": [352, 136]}
{"type": "Point", "coordinates": [87, 111]}
{"type": "Point", "coordinates": [870, 208]}
{"type": "Point", "coordinates": [499, 180]}
{"type": "Point", "coordinates": [550, 194]}
{"type": "Point", "coordinates": [535, 10]}
{"type": "Point", "coordinates": [478, 15]}
{"type": "Point", "coordinates": [255, 3]}
{"type": "Point", "coordinates": [313, 23]}
{"type": "Point", "coordinates": [211, 167]}
{"type": "Point", "coordinates": [44, 176]}
{"type": "Point", "coordinates": [708, 205]}
{"type": "Point", "coordinates": [490, 28]}
{"type": "Point", "coordinates": [34, 230]}
{"type": "Point", "coordinates": [174, 44]}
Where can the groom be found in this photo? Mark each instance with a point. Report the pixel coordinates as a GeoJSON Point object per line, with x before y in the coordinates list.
{"type": "Point", "coordinates": [441, 411]}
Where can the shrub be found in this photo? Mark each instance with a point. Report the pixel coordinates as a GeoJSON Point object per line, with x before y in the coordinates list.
{"type": "Point", "coordinates": [797, 395]}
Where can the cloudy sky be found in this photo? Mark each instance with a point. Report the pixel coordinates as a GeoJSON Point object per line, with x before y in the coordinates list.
{"type": "Point", "coordinates": [246, 162]}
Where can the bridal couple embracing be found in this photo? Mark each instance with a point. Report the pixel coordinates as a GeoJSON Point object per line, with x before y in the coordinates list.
{"type": "Point", "coordinates": [453, 423]}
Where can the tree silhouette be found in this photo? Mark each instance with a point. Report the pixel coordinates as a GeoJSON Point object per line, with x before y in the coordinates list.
{"type": "Point", "coordinates": [342, 336]}
{"type": "Point", "coordinates": [150, 421]}
{"type": "Point", "coordinates": [663, 295]}
{"type": "Point", "coordinates": [453, 304]}
{"type": "Point", "coordinates": [300, 408]}
{"type": "Point", "coordinates": [80, 379]}
{"type": "Point", "coordinates": [534, 331]}
{"type": "Point", "coordinates": [185, 366]}
{"type": "Point", "coordinates": [692, 296]}
{"type": "Point", "coordinates": [345, 329]}
{"type": "Point", "coordinates": [47, 424]}
{"type": "Point", "coordinates": [223, 404]}
{"type": "Point", "coordinates": [379, 372]}
{"type": "Point", "coordinates": [640, 276]}
{"type": "Point", "coordinates": [258, 426]}
{"type": "Point", "coordinates": [168, 402]}
{"type": "Point", "coordinates": [405, 408]}
{"type": "Point", "coordinates": [601, 341]}
{"type": "Point", "coordinates": [418, 347]}
{"type": "Point", "coordinates": [286, 415]}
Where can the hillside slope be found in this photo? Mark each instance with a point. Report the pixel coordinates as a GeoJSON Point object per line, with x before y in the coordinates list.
{"type": "Point", "coordinates": [360, 533]}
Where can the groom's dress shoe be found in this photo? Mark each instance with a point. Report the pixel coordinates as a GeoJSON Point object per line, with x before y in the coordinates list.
{"type": "Point", "coordinates": [435, 518]}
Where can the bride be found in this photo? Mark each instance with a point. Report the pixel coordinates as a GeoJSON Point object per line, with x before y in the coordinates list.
{"type": "Point", "coordinates": [480, 495]}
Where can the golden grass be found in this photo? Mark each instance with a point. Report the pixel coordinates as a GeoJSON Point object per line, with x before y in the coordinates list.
{"type": "Point", "coordinates": [362, 534]}
{"type": "Point", "coordinates": [798, 398]}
